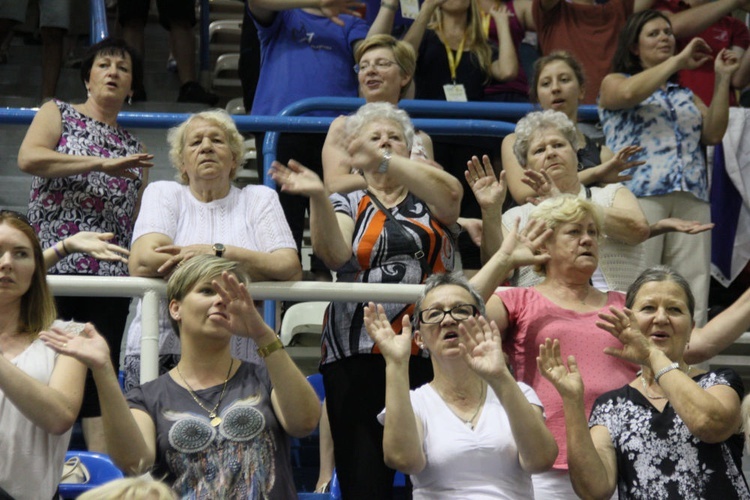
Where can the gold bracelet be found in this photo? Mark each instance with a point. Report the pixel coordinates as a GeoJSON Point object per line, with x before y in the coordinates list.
{"type": "Point", "coordinates": [270, 348]}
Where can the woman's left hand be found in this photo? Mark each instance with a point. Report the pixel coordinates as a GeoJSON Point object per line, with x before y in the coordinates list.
{"type": "Point", "coordinates": [623, 326]}
{"type": "Point", "coordinates": [87, 346]}
{"type": "Point", "coordinates": [481, 347]}
{"type": "Point", "coordinates": [542, 183]}
{"type": "Point", "coordinates": [366, 155]}
{"type": "Point", "coordinates": [242, 318]}
{"type": "Point", "coordinates": [500, 12]}
{"type": "Point", "coordinates": [726, 62]}
{"type": "Point", "coordinates": [611, 170]}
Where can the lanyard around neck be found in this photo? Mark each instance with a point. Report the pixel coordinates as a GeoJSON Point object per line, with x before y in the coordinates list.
{"type": "Point", "coordinates": [455, 60]}
{"type": "Point", "coordinates": [485, 24]}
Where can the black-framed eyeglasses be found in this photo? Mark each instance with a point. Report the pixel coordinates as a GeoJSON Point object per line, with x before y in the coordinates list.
{"type": "Point", "coordinates": [380, 64]}
{"type": "Point", "coordinates": [461, 312]}
{"type": "Point", "coordinates": [15, 215]}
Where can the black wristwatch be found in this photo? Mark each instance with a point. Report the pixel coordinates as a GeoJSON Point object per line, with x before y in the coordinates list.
{"type": "Point", "coordinates": [219, 249]}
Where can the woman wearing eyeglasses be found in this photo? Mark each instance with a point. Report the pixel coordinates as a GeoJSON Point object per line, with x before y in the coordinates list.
{"type": "Point", "coordinates": [473, 431]}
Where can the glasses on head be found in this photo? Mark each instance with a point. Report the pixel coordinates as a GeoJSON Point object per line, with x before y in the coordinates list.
{"type": "Point", "coordinates": [461, 312]}
{"type": "Point", "coordinates": [15, 215]}
{"type": "Point", "coordinates": [380, 64]}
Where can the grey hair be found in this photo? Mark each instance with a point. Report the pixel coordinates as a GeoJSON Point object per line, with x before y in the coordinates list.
{"type": "Point", "coordinates": [196, 270]}
{"type": "Point", "coordinates": [538, 121]}
{"type": "Point", "coordinates": [376, 111]}
{"type": "Point", "coordinates": [455, 278]}
{"type": "Point", "coordinates": [657, 274]}
{"type": "Point", "coordinates": [218, 117]}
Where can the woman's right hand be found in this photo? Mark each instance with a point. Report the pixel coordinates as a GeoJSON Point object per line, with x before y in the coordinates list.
{"type": "Point", "coordinates": [125, 166]}
{"type": "Point", "coordinates": [88, 346]}
{"type": "Point", "coordinates": [566, 380]}
{"type": "Point", "coordinates": [489, 191]}
{"type": "Point", "coordinates": [610, 171]}
{"type": "Point", "coordinates": [695, 54]}
{"type": "Point", "coordinates": [393, 346]}
{"type": "Point", "coordinates": [295, 178]}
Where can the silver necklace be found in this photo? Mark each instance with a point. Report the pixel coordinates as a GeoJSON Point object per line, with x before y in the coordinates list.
{"type": "Point", "coordinates": [469, 422]}
{"type": "Point", "coordinates": [215, 419]}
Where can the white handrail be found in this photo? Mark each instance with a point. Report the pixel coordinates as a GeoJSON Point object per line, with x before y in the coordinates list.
{"type": "Point", "coordinates": [151, 289]}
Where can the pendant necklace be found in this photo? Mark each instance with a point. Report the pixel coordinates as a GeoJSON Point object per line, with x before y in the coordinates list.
{"type": "Point", "coordinates": [215, 419]}
{"type": "Point", "coordinates": [469, 422]}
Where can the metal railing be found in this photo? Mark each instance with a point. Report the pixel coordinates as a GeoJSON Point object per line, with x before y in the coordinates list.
{"type": "Point", "coordinates": [150, 290]}
{"type": "Point", "coordinates": [98, 29]}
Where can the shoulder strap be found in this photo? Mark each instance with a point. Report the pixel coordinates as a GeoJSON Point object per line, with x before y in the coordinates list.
{"type": "Point", "coordinates": [418, 253]}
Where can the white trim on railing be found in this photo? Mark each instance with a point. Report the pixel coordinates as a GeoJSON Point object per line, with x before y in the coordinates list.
{"type": "Point", "coordinates": [151, 289]}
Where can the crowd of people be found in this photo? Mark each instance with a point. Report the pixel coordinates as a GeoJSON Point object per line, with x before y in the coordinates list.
{"type": "Point", "coordinates": [584, 377]}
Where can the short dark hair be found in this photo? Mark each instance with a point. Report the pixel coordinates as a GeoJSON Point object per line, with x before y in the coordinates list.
{"type": "Point", "coordinates": [624, 60]}
{"type": "Point", "coordinates": [656, 274]}
{"type": "Point", "coordinates": [455, 278]}
{"type": "Point", "coordinates": [108, 47]}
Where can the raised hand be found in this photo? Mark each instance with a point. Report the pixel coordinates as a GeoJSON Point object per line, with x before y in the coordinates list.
{"type": "Point", "coordinates": [366, 155]}
{"type": "Point", "coordinates": [623, 326]}
{"type": "Point", "coordinates": [489, 191]}
{"type": "Point", "coordinates": [525, 247]}
{"type": "Point", "coordinates": [125, 166]}
{"type": "Point", "coordinates": [611, 170]}
{"type": "Point", "coordinates": [500, 13]}
{"type": "Point", "coordinates": [481, 348]}
{"type": "Point", "coordinates": [695, 54]}
{"type": "Point", "coordinates": [726, 63]}
{"type": "Point", "coordinates": [242, 318]}
{"type": "Point", "coordinates": [393, 346]}
{"type": "Point", "coordinates": [566, 380]}
{"type": "Point", "coordinates": [96, 245]}
{"type": "Point", "coordinates": [86, 344]}
{"type": "Point", "coordinates": [542, 184]}
{"type": "Point", "coordinates": [332, 9]}
{"type": "Point", "coordinates": [295, 178]}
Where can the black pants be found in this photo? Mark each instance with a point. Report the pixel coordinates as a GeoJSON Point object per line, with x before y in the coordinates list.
{"type": "Point", "coordinates": [109, 315]}
{"type": "Point", "coordinates": [355, 395]}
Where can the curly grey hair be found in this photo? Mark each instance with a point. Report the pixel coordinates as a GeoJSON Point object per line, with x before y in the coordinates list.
{"type": "Point", "coordinates": [375, 111]}
{"type": "Point", "coordinates": [218, 117]}
{"type": "Point", "coordinates": [536, 121]}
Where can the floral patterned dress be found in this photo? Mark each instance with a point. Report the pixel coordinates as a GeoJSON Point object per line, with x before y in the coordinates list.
{"type": "Point", "coordinates": [657, 455]}
{"type": "Point", "coordinates": [93, 201]}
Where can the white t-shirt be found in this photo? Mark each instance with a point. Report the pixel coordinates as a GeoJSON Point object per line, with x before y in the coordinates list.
{"type": "Point", "coordinates": [250, 218]}
{"type": "Point", "coordinates": [31, 459]}
{"type": "Point", "coordinates": [463, 463]}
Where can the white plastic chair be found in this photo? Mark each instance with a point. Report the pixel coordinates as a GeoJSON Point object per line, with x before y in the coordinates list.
{"type": "Point", "coordinates": [302, 318]}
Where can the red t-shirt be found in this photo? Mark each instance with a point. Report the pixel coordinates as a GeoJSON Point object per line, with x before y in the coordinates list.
{"type": "Point", "coordinates": [589, 32]}
{"type": "Point", "coordinates": [725, 33]}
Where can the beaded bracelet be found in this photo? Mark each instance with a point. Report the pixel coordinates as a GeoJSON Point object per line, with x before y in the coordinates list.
{"type": "Point", "coordinates": [668, 368]}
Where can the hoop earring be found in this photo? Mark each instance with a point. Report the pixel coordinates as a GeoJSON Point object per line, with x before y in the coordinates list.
{"type": "Point", "coordinates": [130, 100]}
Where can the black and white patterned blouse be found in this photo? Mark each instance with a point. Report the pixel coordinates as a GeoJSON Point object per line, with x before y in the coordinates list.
{"type": "Point", "coordinates": [60, 207]}
{"type": "Point", "coordinates": [658, 457]}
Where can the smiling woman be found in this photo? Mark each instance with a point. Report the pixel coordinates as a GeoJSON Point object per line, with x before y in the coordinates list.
{"type": "Point", "coordinates": [203, 213]}
{"type": "Point", "coordinates": [658, 435]}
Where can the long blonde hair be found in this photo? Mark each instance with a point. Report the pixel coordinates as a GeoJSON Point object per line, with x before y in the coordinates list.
{"type": "Point", "coordinates": [476, 40]}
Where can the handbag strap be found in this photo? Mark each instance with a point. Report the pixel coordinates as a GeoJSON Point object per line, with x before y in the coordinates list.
{"type": "Point", "coordinates": [417, 252]}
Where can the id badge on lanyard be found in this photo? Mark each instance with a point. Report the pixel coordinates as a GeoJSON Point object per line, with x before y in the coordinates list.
{"type": "Point", "coordinates": [455, 92]}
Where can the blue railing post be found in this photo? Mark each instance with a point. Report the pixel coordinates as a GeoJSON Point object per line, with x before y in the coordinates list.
{"type": "Point", "coordinates": [98, 22]}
